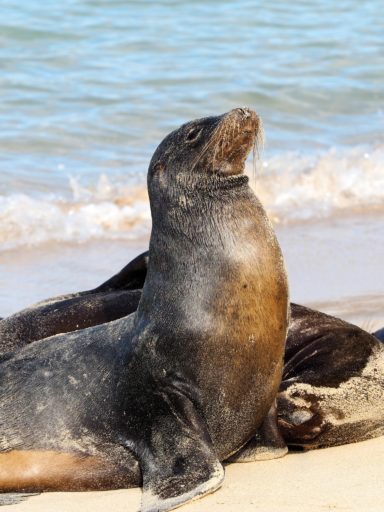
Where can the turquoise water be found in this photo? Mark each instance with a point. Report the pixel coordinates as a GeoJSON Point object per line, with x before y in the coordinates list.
{"type": "Point", "coordinates": [89, 88]}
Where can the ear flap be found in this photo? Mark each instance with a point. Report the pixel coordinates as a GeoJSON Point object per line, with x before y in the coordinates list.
{"type": "Point", "coordinates": [131, 277]}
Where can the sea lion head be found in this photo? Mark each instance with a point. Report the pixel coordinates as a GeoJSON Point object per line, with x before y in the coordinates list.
{"type": "Point", "coordinates": [203, 154]}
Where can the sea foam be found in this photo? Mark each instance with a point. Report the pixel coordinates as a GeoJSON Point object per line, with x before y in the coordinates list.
{"type": "Point", "coordinates": [293, 188]}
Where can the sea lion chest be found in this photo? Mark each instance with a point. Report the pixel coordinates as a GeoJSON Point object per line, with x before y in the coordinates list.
{"type": "Point", "coordinates": [220, 322]}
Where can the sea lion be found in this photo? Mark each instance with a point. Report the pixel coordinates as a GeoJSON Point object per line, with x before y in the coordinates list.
{"type": "Point", "coordinates": [186, 380]}
{"type": "Point", "coordinates": [332, 391]}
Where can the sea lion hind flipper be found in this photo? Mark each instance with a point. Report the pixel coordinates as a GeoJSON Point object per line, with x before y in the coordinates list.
{"type": "Point", "coordinates": [267, 444]}
{"type": "Point", "coordinates": [177, 459]}
{"type": "Point", "coordinates": [131, 277]}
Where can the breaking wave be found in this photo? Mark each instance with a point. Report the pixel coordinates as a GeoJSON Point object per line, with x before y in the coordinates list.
{"type": "Point", "coordinates": [293, 188]}
{"type": "Point", "coordinates": [91, 213]}
{"type": "Point", "coordinates": [297, 188]}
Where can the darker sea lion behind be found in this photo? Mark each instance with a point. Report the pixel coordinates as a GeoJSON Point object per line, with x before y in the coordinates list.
{"type": "Point", "coordinates": [332, 391]}
{"type": "Point", "coordinates": [113, 299]}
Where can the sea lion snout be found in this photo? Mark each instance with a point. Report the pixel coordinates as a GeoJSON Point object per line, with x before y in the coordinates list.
{"type": "Point", "coordinates": [246, 119]}
{"type": "Point", "coordinates": [245, 111]}
{"type": "Point", "coordinates": [238, 132]}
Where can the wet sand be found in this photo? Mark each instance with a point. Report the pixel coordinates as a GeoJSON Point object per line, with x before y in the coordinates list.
{"type": "Point", "coordinates": [334, 264]}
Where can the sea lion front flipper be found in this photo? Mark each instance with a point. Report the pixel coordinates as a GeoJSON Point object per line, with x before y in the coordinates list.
{"type": "Point", "coordinates": [175, 452]}
{"type": "Point", "coordinates": [266, 444]}
{"type": "Point", "coordinates": [192, 474]}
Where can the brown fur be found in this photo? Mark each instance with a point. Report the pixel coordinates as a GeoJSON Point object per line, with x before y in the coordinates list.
{"type": "Point", "coordinates": [30, 470]}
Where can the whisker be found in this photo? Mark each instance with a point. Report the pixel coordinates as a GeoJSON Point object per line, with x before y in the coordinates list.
{"type": "Point", "coordinates": [254, 156]}
{"type": "Point", "coordinates": [258, 147]}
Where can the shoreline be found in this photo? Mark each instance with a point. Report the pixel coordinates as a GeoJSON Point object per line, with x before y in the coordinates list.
{"type": "Point", "coordinates": [334, 265]}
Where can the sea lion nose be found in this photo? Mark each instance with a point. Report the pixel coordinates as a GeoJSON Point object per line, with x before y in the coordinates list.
{"type": "Point", "coordinates": [244, 111]}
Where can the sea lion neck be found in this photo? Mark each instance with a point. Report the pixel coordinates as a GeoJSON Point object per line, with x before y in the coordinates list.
{"type": "Point", "coordinates": [196, 235]}
{"type": "Point", "coordinates": [221, 183]}
{"type": "Point", "coordinates": [209, 204]}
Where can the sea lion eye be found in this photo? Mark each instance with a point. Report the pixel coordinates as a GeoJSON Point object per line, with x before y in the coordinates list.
{"type": "Point", "coordinates": [193, 134]}
{"type": "Point", "coordinates": [158, 167]}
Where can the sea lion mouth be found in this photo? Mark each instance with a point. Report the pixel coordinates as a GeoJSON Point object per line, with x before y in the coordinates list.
{"type": "Point", "coordinates": [238, 132]}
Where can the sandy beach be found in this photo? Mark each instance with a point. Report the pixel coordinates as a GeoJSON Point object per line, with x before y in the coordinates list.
{"type": "Point", "coordinates": [346, 479]}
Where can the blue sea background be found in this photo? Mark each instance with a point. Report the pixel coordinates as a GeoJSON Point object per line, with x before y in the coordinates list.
{"type": "Point", "coordinates": [89, 88]}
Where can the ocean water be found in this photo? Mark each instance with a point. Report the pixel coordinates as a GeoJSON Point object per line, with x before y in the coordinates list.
{"type": "Point", "coordinates": [90, 87]}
